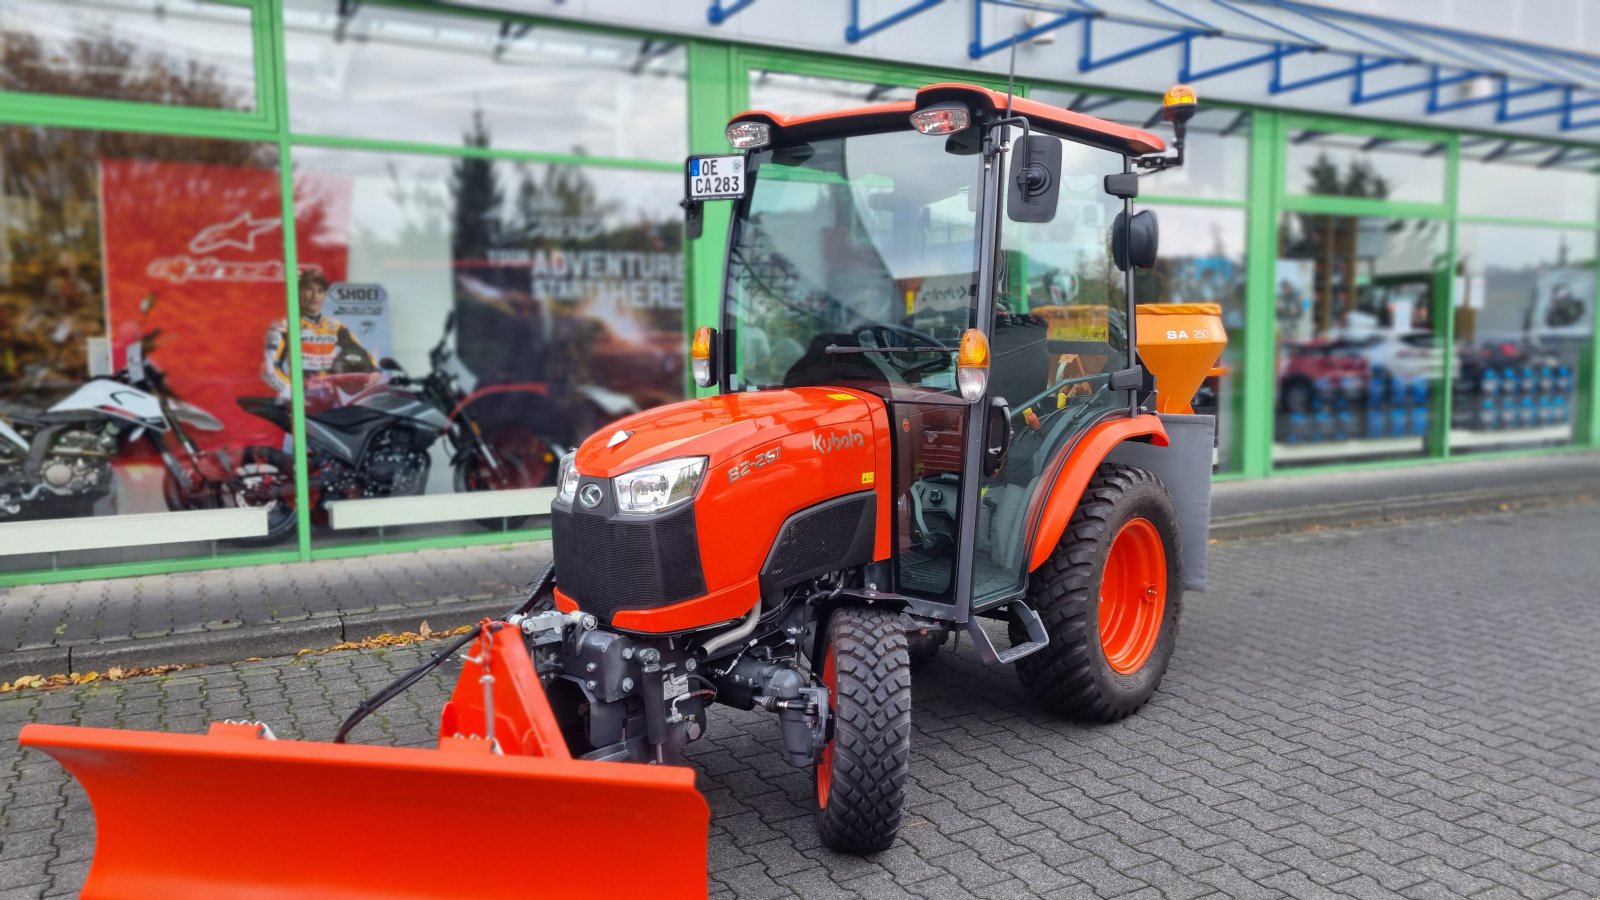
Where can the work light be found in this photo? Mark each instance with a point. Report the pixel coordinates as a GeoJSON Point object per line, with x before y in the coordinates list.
{"type": "Point", "coordinates": [942, 118]}
{"type": "Point", "coordinates": [749, 135]}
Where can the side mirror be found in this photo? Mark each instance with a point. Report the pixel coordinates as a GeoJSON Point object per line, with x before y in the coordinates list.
{"type": "Point", "coordinates": [1035, 179]}
{"type": "Point", "coordinates": [1135, 243]}
{"type": "Point", "coordinates": [996, 437]}
{"type": "Point", "coordinates": [388, 364]}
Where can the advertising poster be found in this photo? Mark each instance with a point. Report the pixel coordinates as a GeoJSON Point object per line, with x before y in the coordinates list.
{"type": "Point", "coordinates": [570, 309]}
{"type": "Point", "coordinates": [205, 243]}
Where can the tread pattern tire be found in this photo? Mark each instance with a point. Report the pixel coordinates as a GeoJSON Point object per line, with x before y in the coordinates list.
{"type": "Point", "coordinates": [1071, 676]}
{"type": "Point", "coordinates": [871, 731]}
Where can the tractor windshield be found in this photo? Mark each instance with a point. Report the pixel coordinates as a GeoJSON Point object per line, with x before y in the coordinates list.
{"type": "Point", "coordinates": [861, 242]}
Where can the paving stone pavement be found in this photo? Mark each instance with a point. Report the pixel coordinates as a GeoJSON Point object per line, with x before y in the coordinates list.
{"type": "Point", "coordinates": [1397, 710]}
{"type": "Point", "coordinates": [154, 606]}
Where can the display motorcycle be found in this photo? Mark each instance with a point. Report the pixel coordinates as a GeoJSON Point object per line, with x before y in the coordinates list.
{"type": "Point", "coordinates": [57, 462]}
{"type": "Point", "coordinates": [377, 441]}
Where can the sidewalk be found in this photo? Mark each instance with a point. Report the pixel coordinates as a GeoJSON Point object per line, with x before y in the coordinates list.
{"type": "Point", "coordinates": [232, 614]}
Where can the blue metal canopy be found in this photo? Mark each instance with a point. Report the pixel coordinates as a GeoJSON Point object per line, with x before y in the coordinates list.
{"type": "Point", "coordinates": [1296, 45]}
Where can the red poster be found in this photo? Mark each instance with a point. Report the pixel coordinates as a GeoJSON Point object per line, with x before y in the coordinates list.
{"type": "Point", "coordinates": [206, 241]}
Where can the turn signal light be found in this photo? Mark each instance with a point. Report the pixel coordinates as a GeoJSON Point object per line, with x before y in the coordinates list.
{"type": "Point", "coordinates": [942, 118]}
{"type": "Point", "coordinates": [972, 365]}
{"type": "Point", "coordinates": [700, 356]}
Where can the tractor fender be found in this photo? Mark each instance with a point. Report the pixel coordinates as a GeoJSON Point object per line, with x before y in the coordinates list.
{"type": "Point", "coordinates": [1071, 474]}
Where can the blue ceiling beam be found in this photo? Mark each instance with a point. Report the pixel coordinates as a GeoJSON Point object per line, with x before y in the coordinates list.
{"type": "Point", "coordinates": [1359, 94]}
{"type": "Point", "coordinates": [717, 13]}
{"type": "Point", "coordinates": [978, 49]}
{"type": "Point", "coordinates": [1188, 73]}
{"type": "Point", "coordinates": [1087, 62]}
{"type": "Point", "coordinates": [1362, 66]}
{"type": "Point", "coordinates": [855, 31]}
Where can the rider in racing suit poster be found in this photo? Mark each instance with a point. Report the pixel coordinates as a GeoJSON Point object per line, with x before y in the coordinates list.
{"type": "Point", "coordinates": [329, 349]}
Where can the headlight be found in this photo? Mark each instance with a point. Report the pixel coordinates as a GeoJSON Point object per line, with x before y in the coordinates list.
{"type": "Point", "coordinates": [662, 485]}
{"type": "Point", "coordinates": [567, 480]}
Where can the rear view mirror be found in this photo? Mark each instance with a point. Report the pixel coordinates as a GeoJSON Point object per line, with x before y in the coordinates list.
{"type": "Point", "coordinates": [1135, 243]}
{"type": "Point", "coordinates": [1035, 183]}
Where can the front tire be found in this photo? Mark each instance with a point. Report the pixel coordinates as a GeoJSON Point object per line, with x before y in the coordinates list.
{"type": "Point", "coordinates": [861, 776]}
{"type": "Point", "coordinates": [473, 473]}
{"type": "Point", "coordinates": [263, 477]}
{"type": "Point", "coordinates": [1110, 597]}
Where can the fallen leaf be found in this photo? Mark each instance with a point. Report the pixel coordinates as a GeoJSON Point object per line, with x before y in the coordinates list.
{"type": "Point", "coordinates": [423, 630]}
{"type": "Point", "coordinates": [114, 673]}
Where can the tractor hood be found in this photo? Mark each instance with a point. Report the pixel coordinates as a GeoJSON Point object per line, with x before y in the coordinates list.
{"type": "Point", "coordinates": [724, 427]}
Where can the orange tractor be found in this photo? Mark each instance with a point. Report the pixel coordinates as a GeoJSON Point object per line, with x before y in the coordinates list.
{"type": "Point", "coordinates": [932, 403]}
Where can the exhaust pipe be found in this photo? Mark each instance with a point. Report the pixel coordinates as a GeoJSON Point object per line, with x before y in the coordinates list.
{"type": "Point", "coordinates": [735, 634]}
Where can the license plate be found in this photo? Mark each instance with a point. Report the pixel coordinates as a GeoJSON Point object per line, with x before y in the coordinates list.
{"type": "Point", "coordinates": [716, 177]}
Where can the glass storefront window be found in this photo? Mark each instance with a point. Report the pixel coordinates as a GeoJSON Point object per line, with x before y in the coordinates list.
{"type": "Point", "coordinates": [508, 310]}
{"type": "Point", "coordinates": [1527, 180]}
{"type": "Point", "coordinates": [1202, 261]}
{"type": "Point", "coordinates": [799, 95]}
{"type": "Point", "coordinates": [1217, 158]}
{"type": "Point", "coordinates": [1524, 314]}
{"type": "Point", "coordinates": [138, 274]}
{"type": "Point", "coordinates": [424, 77]}
{"type": "Point", "coordinates": [1359, 360]}
{"type": "Point", "coordinates": [1336, 164]}
{"type": "Point", "coordinates": [172, 52]}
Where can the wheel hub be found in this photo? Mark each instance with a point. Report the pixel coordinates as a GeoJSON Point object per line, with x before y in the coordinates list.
{"type": "Point", "coordinates": [1133, 596]}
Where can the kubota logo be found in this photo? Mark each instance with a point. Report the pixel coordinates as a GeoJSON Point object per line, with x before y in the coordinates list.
{"type": "Point", "coordinates": [827, 443]}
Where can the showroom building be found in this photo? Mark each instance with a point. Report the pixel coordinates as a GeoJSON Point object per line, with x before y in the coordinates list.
{"type": "Point", "coordinates": [474, 209]}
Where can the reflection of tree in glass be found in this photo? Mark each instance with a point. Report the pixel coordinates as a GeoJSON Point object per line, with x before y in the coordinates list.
{"type": "Point", "coordinates": [114, 69]}
{"type": "Point", "coordinates": [477, 196]}
{"type": "Point", "coordinates": [52, 299]}
{"type": "Point", "coordinates": [1361, 179]}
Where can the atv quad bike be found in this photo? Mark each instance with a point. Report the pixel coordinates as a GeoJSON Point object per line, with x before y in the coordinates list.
{"type": "Point", "coordinates": [932, 403]}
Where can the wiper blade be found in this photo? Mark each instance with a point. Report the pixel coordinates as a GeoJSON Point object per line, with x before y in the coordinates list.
{"type": "Point", "coordinates": [835, 349]}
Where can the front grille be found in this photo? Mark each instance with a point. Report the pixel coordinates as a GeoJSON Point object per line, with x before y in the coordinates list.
{"type": "Point", "coordinates": [609, 565]}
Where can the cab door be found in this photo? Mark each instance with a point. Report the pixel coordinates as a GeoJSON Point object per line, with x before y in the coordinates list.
{"type": "Point", "coordinates": [1057, 332]}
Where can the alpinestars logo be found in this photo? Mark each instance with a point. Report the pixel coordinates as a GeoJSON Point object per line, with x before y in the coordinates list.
{"type": "Point", "coordinates": [827, 443]}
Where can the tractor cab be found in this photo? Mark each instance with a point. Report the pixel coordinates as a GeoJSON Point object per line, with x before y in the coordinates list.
{"type": "Point", "coordinates": [965, 258]}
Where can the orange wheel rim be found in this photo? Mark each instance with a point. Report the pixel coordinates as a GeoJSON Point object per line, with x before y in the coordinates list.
{"type": "Point", "coordinates": [1133, 596]}
{"type": "Point", "coordinates": [830, 678]}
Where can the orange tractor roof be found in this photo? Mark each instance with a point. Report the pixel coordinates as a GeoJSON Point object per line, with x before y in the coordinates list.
{"type": "Point", "coordinates": [1042, 116]}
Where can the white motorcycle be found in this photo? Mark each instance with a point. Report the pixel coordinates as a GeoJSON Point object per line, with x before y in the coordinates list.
{"type": "Point", "coordinates": [56, 462]}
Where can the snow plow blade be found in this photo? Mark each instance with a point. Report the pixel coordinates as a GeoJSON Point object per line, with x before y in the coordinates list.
{"type": "Point", "coordinates": [236, 814]}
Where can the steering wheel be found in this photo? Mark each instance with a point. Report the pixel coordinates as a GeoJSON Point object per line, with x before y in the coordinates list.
{"type": "Point", "coordinates": [920, 339]}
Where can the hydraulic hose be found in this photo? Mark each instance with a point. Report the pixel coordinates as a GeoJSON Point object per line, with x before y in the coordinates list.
{"type": "Point", "coordinates": [543, 585]}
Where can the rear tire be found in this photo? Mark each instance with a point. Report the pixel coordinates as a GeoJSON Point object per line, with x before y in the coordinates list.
{"type": "Point", "coordinates": [1110, 640]}
{"type": "Point", "coordinates": [861, 777]}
